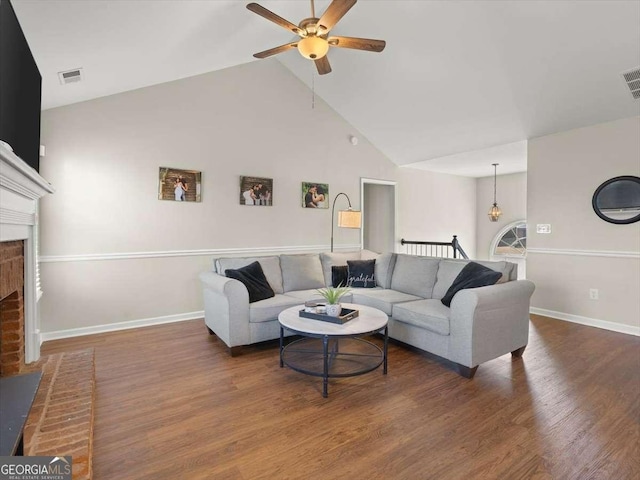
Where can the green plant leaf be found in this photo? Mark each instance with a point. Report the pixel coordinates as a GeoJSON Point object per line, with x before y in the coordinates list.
{"type": "Point", "coordinates": [333, 294]}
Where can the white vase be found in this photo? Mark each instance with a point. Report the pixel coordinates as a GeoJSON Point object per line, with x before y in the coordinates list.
{"type": "Point", "coordinates": [333, 310]}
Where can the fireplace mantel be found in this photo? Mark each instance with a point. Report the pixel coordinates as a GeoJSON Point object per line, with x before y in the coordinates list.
{"type": "Point", "coordinates": [20, 189]}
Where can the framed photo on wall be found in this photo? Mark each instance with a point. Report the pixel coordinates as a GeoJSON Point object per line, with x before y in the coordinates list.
{"type": "Point", "coordinates": [256, 191]}
{"type": "Point", "coordinates": [179, 185]}
{"type": "Point", "coordinates": [315, 195]}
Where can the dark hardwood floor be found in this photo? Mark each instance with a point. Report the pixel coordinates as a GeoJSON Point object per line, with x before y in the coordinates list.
{"type": "Point", "coordinates": [172, 404]}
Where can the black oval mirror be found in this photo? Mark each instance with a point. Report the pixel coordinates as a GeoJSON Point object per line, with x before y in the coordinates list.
{"type": "Point", "coordinates": [618, 200]}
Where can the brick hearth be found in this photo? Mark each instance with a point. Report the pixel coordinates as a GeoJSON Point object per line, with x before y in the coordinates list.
{"type": "Point", "coordinates": [61, 420]}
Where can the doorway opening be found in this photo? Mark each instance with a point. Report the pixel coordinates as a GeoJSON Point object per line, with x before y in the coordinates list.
{"type": "Point", "coordinates": [378, 203]}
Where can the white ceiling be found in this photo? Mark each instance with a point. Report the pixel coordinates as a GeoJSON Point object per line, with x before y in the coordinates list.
{"type": "Point", "coordinates": [460, 85]}
{"type": "Point", "coordinates": [511, 158]}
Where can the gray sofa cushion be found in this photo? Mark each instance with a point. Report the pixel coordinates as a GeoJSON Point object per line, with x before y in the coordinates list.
{"type": "Point", "coordinates": [384, 269]}
{"type": "Point", "coordinates": [415, 275]}
{"type": "Point", "coordinates": [270, 267]}
{"type": "Point", "coordinates": [380, 298]}
{"type": "Point", "coordinates": [429, 314]}
{"type": "Point", "coordinates": [269, 309]}
{"type": "Point", "coordinates": [368, 254]}
{"type": "Point", "coordinates": [335, 258]}
{"type": "Point", "coordinates": [447, 273]}
{"type": "Point", "coordinates": [302, 272]}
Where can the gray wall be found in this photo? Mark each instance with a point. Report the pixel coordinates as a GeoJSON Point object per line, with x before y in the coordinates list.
{"type": "Point", "coordinates": [435, 206]}
{"type": "Point", "coordinates": [112, 252]}
{"type": "Point", "coordinates": [583, 251]}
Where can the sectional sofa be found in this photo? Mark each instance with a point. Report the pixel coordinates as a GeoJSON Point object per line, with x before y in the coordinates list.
{"type": "Point", "coordinates": [480, 325]}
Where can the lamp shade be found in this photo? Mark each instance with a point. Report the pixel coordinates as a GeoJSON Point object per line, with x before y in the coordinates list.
{"type": "Point", "coordinates": [349, 218]}
{"type": "Point", "coordinates": [313, 47]}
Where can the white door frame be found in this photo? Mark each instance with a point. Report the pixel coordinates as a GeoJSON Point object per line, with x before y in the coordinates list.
{"type": "Point", "coordinates": [376, 181]}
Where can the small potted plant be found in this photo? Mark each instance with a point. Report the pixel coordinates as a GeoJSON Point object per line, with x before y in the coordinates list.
{"type": "Point", "coordinates": [332, 295]}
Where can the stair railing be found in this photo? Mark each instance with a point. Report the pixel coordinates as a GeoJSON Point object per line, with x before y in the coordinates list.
{"type": "Point", "coordinates": [450, 249]}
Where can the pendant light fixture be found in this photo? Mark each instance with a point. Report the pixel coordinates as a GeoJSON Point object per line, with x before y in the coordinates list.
{"type": "Point", "coordinates": [494, 212]}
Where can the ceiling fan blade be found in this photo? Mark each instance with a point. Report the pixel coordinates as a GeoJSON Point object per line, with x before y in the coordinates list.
{"type": "Point", "coordinates": [335, 12]}
{"type": "Point", "coordinates": [323, 66]}
{"type": "Point", "coordinates": [275, 50]}
{"type": "Point", "coordinates": [367, 44]}
{"type": "Point", "coordinates": [269, 15]}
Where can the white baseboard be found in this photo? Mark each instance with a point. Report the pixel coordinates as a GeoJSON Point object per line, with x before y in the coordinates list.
{"type": "Point", "coordinates": [112, 327]}
{"type": "Point", "coordinates": [591, 322]}
{"type": "Point", "coordinates": [181, 317]}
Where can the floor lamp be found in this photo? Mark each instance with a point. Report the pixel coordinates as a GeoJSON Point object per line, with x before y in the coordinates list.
{"type": "Point", "coordinates": [349, 218]}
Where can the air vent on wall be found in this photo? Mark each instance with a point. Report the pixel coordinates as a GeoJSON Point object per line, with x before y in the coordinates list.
{"type": "Point", "coordinates": [70, 76]}
{"type": "Point", "coordinates": [632, 77]}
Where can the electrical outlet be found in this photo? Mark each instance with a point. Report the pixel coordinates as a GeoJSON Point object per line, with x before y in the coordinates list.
{"type": "Point", "coordinates": [543, 228]}
{"type": "Point", "coordinates": [593, 293]}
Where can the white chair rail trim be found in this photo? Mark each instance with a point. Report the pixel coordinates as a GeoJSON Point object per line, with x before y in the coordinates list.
{"type": "Point", "coordinates": [248, 251]}
{"type": "Point", "coordinates": [586, 253]}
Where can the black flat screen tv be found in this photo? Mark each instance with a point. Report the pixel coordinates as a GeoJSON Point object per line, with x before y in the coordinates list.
{"type": "Point", "coordinates": [20, 89]}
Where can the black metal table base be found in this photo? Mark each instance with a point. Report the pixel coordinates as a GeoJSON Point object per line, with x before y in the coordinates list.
{"type": "Point", "coordinates": [331, 352]}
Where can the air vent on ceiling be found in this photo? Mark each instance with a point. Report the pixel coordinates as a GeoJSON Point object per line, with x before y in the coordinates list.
{"type": "Point", "coordinates": [632, 77]}
{"type": "Point", "coordinates": [70, 76]}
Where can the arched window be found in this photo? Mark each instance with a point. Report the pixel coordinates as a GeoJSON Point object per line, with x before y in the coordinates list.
{"type": "Point", "coordinates": [511, 241]}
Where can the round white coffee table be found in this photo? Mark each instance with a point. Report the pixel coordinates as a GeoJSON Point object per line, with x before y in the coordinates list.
{"type": "Point", "coordinates": [331, 350]}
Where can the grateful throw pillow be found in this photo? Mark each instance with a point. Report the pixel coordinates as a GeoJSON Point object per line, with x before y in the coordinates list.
{"type": "Point", "coordinates": [253, 278]}
{"type": "Point", "coordinates": [339, 275]}
{"type": "Point", "coordinates": [361, 273]}
{"type": "Point", "coordinates": [473, 275]}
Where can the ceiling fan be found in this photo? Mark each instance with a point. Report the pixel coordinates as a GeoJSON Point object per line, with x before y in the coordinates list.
{"type": "Point", "coordinates": [314, 41]}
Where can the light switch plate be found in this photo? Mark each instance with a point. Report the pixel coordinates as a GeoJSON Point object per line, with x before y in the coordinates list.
{"type": "Point", "coordinates": [543, 228]}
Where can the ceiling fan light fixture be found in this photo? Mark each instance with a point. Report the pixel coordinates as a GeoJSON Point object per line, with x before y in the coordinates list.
{"type": "Point", "coordinates": [313, 47]}
{"type": "Point", "coordinates": [313, 31]}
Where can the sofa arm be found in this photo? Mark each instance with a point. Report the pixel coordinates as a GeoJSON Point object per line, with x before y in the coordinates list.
{"type": "Point", "coordinates": [488, 322]}
{"type": "Point", "coordinates": [226, 308]}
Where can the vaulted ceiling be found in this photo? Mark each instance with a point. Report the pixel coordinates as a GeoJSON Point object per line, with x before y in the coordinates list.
{"type": "Point", "coordinates": [459, 83]}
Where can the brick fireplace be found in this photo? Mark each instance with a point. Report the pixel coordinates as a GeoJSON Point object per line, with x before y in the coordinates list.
{"type": "Point", "coordinates": [60, 422]}
{"type": "Point", "coordinates": [12, 359]}
{"type": "Point", "coordinates": [21, 187]}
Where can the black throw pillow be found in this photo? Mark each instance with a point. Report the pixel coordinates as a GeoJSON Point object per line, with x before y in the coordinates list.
{"type": "Point", "coordinates": [362, 273]}
{"type": "Point", "coordinates": [253, 278]}
{"type": "Point", "coordinates": [473, 275]}
{"type": "Point", "coordinates": [339, 275]}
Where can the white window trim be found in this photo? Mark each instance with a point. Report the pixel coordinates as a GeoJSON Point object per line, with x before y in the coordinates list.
{"type": "Point", "coordinates": [496, 239]}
